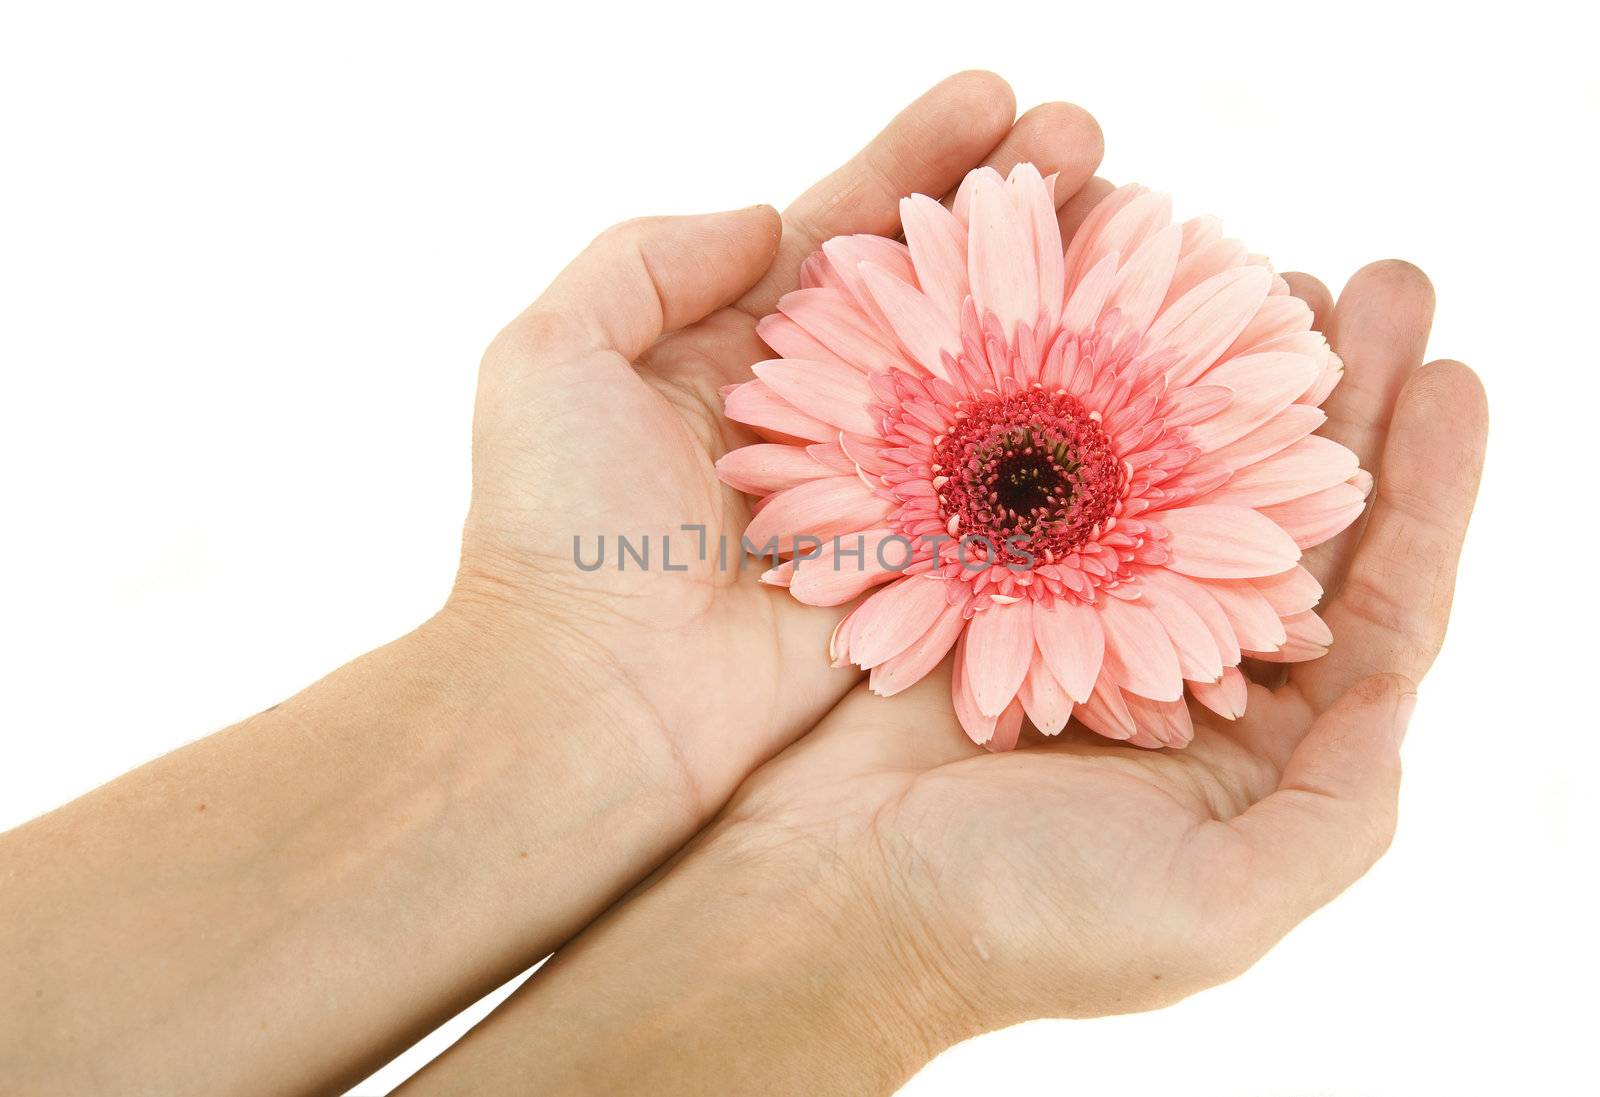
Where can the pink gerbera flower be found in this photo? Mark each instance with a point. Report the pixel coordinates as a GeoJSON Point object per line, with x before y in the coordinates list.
{"type": "Point", "coordinates": [1090, 474]}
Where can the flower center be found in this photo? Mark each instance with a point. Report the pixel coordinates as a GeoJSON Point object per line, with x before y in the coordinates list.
{"type": "Point", "coordinates": [1029, 471]}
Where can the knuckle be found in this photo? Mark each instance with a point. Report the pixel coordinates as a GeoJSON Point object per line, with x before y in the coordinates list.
{"type": "Point", "coordinates": [1370, 600]}
{"type": "Point", "coordinates": [628, 233]}
{"type": "Point", "coordinates": [525, 337]}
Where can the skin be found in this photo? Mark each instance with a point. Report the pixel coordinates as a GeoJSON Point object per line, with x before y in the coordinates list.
{"type": "Point", "coordinates": [304, 894]}
{"type": "Point", "coordinates": [885, 888]}
{"type": "Point", "coordinates": [300, 896]}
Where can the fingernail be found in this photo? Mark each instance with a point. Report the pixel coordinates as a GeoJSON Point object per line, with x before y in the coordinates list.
{"type": "Point", "coordinates": [1402, 716]}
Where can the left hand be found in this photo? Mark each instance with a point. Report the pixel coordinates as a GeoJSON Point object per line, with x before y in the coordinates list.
{"type": "Point", "coordinates": [1081, 877]}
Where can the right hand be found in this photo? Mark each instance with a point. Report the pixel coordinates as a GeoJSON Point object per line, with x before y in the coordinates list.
{"type": "Point", "coordinates": [598, 414]}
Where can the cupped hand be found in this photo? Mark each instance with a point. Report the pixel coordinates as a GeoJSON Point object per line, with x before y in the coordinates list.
{"type": "Point", "coordinates": [1078, 877]}
{"type": "Point", "coordinates": [598, 416]}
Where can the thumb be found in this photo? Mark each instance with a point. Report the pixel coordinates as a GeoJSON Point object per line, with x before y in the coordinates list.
{"type": "Point", "coordinates": [1333, 813]}
{"type": "Point", "coordinates": [643, 278]}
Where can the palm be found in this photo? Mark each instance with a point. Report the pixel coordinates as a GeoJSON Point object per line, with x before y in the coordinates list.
{"type": "Point", "coordinates": [1066, 831]}
{"type": "Point", "coordinates": [650, 433]}
{"type": "Point", "coordinates": [1016, 851]}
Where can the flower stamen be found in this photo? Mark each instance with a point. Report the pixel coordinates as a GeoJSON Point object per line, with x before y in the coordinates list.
{"type": "Point", "coordinates": [1030, 470]}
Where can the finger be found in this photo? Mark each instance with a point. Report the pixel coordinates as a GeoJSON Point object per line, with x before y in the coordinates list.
{"type": "Point", "coordinates": [1313, 293]}
{"type": "Point", "coordinates": [926, 149]}
{"type": "Point", "coordinates": [1057, 138]}
{"type": "Point", "coordinates": [645, 277]}
{"type": "Point", "coordinates": [1390, 614]}
{"type": "Point", "coordinates": [1333, 813]}
{"type": "Point", "coordinates": [1077, 207]}
{"type": "Point", "coordinates": [1380, 328]}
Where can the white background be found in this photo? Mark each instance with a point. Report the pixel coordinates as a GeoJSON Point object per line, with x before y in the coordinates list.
{"type": "Point", "coordinates": [248, 260]}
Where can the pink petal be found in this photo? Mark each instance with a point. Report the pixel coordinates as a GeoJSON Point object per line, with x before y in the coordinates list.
{"type": "Point", "coordinates": [1139, 656]}
{"type": "Point", "coordinates": [1308, 628]}
{"type": "Point", "coordinates": [1327, 380]}
{"type": "Point", "coordinates": [790, 340]}
{"type": "Point", "coordinates": [1199, 232]}
{"type": "Point", "coordinates": [1251, 615]}
{"type": "Point", "coordinates": [907, 668]}
{"type": "Point", "coordinates": [1143, 738]}
{"type": "Point", "coordinates": [1277, 433]}
{"type": "Point", "coordinates": [1198, 656]}
{"type": "Point", "coordinates": [839, 641]}
{"type": "Point", "coordinates": [848, 253]}
{"type": "Point", "coordinates": [1035, 201]}
{"type": "Point", "coordinates": [1277, 317]}
{"type": "Point", "coordinates": [1162, 584]}
{"type": "Point", "coordinates": [922, 328]}
{"type": "Point", "coordinates": [996, 238]}
{"type": "Point", "coordinates": [1007, 729]}
{"type": "Point", "coordinates": [1141, 284]}
{"type": "Point", "coordinates": [1072, 642]}
{"type": "Point", "coordinates": [1290, 592]}
{"type": "Point", "coordinates": [866, 454]}
{"type": "Point", "coordinates": [961, 206]}
{"type": "Point", "coordinates": [1088, 297]}
{"type": "Point", "coordinates": [1312, 344]}
{"type": "Point", "coordinates": [1263, 385]}
{"type": "Point", "coordinates": [1043, 699]}
{"type": "Point", "coordinates": [1314, 518]}
{"type": "Point", "coordinates": [1211, 541]}
{"type": "Point", "coordinates": [829, 507]}
{"type": "Point", "coordinates": [999, 648]}
{"type": "Point", "coordinates": [1362, 481]}
{"type": "Point", "coordinates": [831, 455]}
{"type": "Point", "coordinates": [847, 566]}
{"type": "Point", "coordinates": [1165, 721]}
{"type": "Point", "coordinates": [1307, 636]}
{"type": "Point", "coordinates": [755, 404]}
{"type": "Point", "coordinates": [1106, 712]}
{"type": "Point", "coordinates": [1227, 697]}
{"type": "Point", "coordinates": [895, 618]}
{"type": "Point", "coordinates": [1124, 232]}
{"type": "Point", "coordinates": [780, 576]}
{"type": "Point", "coordinates": [1205, 261]}
{"type": "Point", "coordinates": [1201, 324]}
{"type": "Point", "coordinates": [938, 245]}
{"type": "Point", "coordinates": [1195, 403]}
{"type": "Point", "coordinates": [827, 391]}
{"type": "Point", "coordinates": [979, 728]}
{"type": "Point", "coordinates": [767, 467]}
{"type": "Point", "coordinates": [1309, 465]}
{"type": "Point", "coordinates": [1078, 261]}
{"type": "Point", "coordinates": [828, 315]}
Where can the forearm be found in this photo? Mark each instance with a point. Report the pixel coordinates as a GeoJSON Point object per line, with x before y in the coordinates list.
{"type": "Point", "coordinates": [731, 973]}
{"type": "Point", "coordinates": [280, 906]}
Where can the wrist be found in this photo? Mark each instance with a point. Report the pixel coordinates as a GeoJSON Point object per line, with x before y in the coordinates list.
{"type": "Point", "coordinates": [826, 920]}
{"type": "Point", "coordinates": [541, 687]}
{"type": "Point", "coordinates": [746, 966]}
{"type": "Point", "coordinates": [540, 787]}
